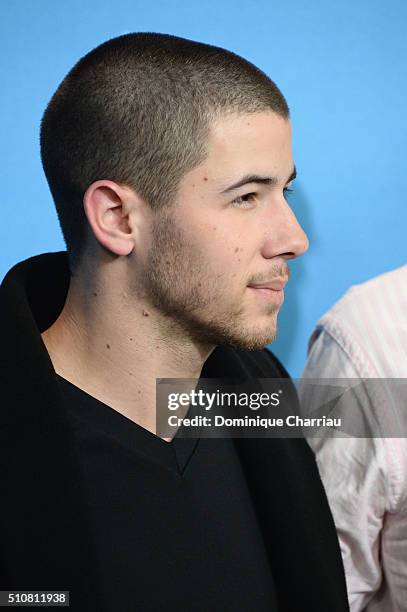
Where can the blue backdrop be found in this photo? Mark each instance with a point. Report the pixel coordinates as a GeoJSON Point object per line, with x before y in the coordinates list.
{"type": "Point", "coordinates": [341, 65]}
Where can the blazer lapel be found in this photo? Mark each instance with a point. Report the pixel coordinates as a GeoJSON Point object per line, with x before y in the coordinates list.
{"type": "Point", "coordinates": [289, 500]}
{"type": "Point", "coordinates": [296, 522]}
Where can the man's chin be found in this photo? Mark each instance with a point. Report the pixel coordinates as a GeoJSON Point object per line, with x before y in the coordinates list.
{"type": "Point", "coordinates": [253, 343]}
{"type": "Point", "coordinates": [249, 340]}
{"type": "Point", "coordinates": [234, 331]}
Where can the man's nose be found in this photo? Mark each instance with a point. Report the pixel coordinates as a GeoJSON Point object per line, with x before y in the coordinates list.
{"type": "Point", "coordinates": [285, 236]}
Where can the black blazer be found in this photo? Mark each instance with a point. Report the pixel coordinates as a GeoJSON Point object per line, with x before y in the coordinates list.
{"type": "Point", "coordinates": [45, 541]}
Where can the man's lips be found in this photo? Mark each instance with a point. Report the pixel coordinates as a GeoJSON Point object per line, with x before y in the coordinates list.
{"type": "Point", "coordinates": [272, 290]}
{"type": "Point", "coordinates": [276, 284]}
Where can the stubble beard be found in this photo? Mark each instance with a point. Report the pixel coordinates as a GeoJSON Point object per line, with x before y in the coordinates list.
{"type": "Point", "coordinates": [180, 286]}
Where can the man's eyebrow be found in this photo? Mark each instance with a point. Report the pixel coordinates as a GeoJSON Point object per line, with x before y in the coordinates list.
{"type": "Point", "coordinates": [256, 178]}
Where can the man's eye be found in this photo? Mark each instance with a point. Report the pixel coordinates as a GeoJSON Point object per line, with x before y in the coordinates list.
{"type": "Point", "coordinates": [244, 201]}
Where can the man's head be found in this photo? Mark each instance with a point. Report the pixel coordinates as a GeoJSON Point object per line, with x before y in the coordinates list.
{"type": "Point", "coordinates": [141, 145]}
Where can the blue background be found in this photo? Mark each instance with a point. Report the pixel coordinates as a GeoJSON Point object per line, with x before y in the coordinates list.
{"type": "Point", "coordinates": [342, 67]}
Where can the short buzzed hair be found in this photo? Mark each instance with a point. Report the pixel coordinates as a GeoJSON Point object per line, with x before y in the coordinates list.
{"type": "Point", "coordinates": [137, 110]}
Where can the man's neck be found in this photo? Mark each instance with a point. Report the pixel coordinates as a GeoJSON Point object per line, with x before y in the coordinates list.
{"type": "Point", "coordinates": [115, 351]}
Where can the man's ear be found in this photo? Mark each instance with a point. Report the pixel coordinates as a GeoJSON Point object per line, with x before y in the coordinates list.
{"type": "Point", "coordinates": [107, 207]}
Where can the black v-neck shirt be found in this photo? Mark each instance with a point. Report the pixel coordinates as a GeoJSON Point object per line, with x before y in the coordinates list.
{"type": "Point", "coordinates": [173, 522]}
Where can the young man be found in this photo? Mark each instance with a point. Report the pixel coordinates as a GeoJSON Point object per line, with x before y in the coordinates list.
{"type": "Point", "coordinates": [168, 161]}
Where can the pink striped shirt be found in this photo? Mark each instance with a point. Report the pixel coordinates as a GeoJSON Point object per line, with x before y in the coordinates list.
{"type": "Point", "coordinates": [365, 336]}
